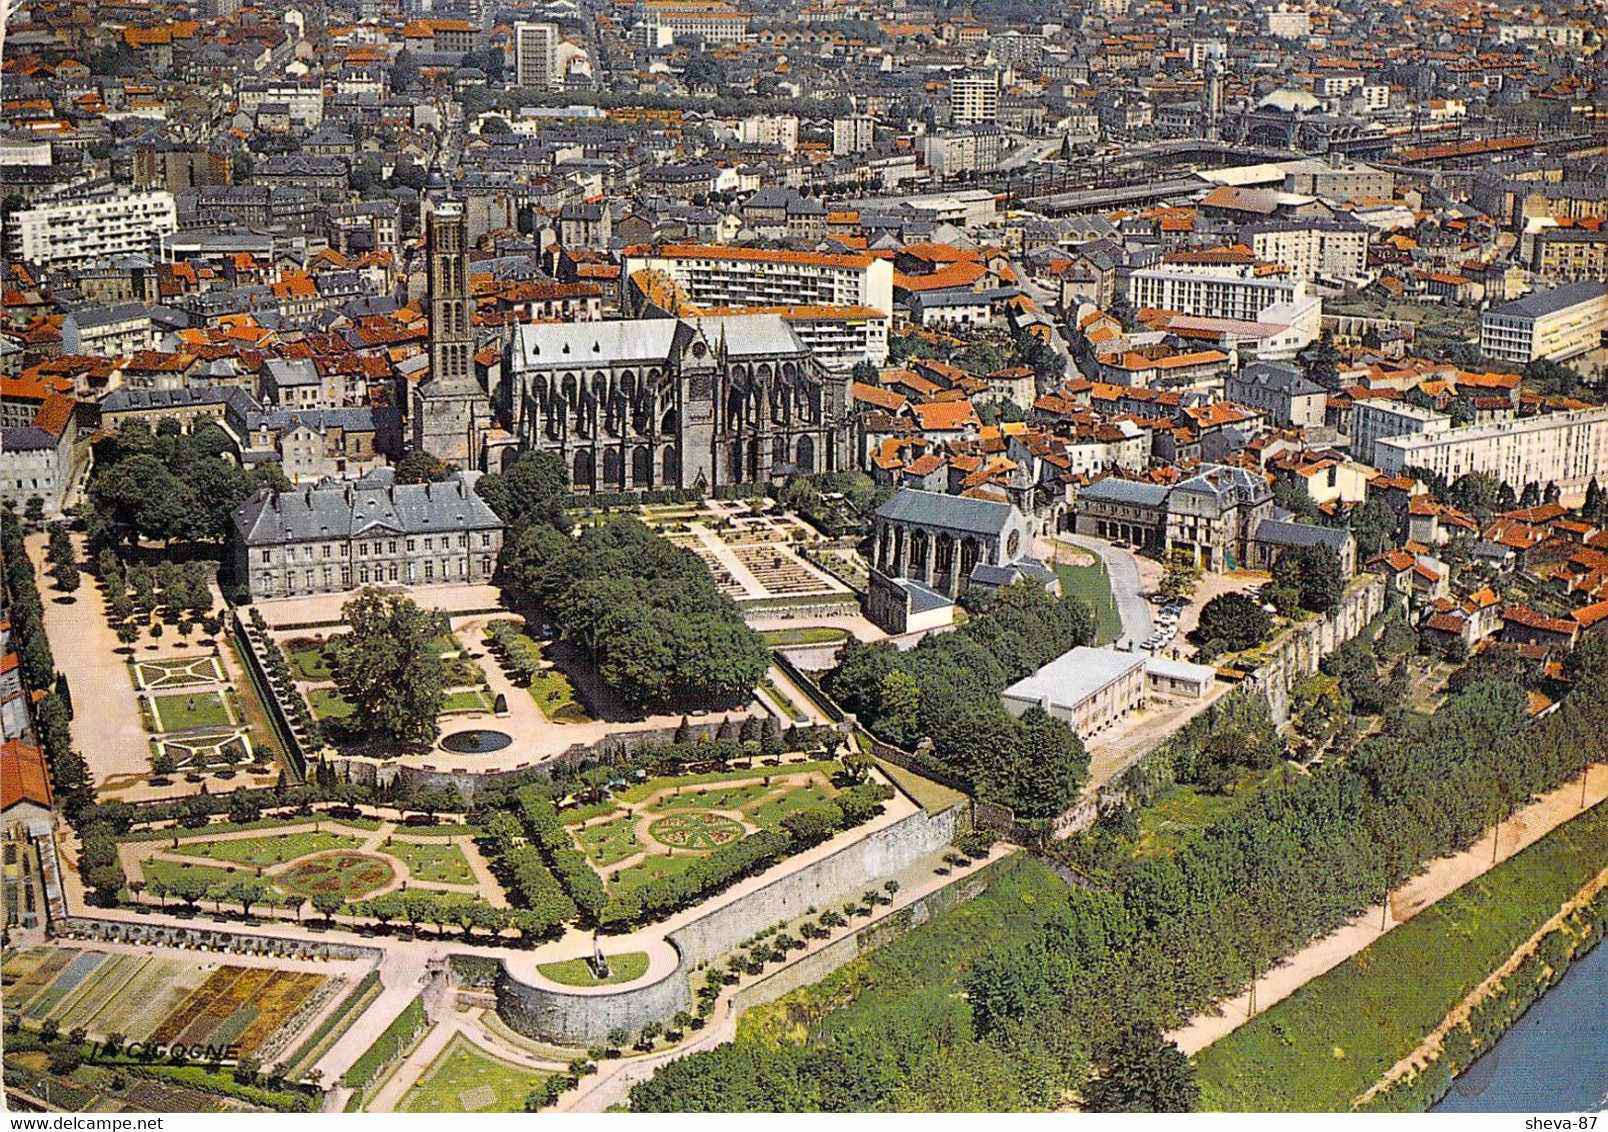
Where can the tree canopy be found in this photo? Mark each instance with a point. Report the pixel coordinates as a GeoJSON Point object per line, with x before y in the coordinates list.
{"type": "Point", "coordinates": [947, 689]}
{"type": "Point", "coordinates": [1232, 623]}
{"type": "Point", "coordinates": [646, 611]}
{"type": "Point", "coordinates": [389, 666]}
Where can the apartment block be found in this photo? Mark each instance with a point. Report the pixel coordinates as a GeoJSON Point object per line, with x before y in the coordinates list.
{"type": "Point", "coordinates": [1312, 249]}
{"type": "Point", "coordinates": [714, 276]}
{"type": "Point", "coordinates": [536, 55]}
{"type": "Point", "coordinates": [1567, 255]}
{"type": "Point", "coordinates": [1375, 421]}
{"type": "Point", "coordinates": [1566, 449]}
{"type": "Point", "coordinates": [66, 235]}
{"type": "Point", "coordinates": [1557, 324]}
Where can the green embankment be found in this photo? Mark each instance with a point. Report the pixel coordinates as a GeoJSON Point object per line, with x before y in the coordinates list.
{"type": "Point", "coordinates": [1328, 1043]}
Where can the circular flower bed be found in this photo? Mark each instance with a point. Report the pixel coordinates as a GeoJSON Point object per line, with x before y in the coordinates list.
{"type": "Point", "coordinates": [352, 875]}
{"type": "Point", "coordinates": [698, 829]}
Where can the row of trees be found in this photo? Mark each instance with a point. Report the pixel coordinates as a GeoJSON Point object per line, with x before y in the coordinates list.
{"type": "Point", "coordinates": [947, 688]}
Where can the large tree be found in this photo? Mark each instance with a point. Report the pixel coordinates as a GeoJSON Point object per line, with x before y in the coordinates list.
{"type": "Point", "coordinates": [531, 490]}
{"type": "Point", "coordinates": [1143, 1074]}
{"type": "Point", "coordinates": [389, 667]}
{"type": "Point", "coordinates": [1233, 622]}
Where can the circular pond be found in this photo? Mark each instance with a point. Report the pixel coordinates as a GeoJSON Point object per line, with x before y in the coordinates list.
{"type": "Point", "coordinates": [477, 742]}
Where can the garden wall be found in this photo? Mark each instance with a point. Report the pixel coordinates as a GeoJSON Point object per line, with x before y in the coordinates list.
{"type": "Point", "coordinates": [559, 1014]}
{"type": "Point", "coordinates": [817, 965]}
{"type": "Point", "coordinates": [210, 939]}
{"type": "Point", "coordinates": [1296, 654]}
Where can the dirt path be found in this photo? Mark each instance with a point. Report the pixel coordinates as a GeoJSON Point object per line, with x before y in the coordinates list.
{"type": "Point", "coordinates": [1440, 878]}
{"type": "Point", "coordinates": [1429, 1049]}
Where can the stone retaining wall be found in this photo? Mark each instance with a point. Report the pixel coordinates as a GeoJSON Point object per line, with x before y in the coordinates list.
{"type": "Point", "coordinates": [819, 964]}
{"type": "Point", "coordinates": [555, 1013]}
{"type": "Point", "coordinates": [1296, 654]}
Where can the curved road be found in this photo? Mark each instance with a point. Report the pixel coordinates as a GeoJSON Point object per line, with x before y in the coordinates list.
{"type": "Point", "coordinates": [1123, 571]}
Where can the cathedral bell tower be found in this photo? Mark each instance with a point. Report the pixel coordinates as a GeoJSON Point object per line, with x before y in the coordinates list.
{"type": "Point", "coordinates": [451, 412]}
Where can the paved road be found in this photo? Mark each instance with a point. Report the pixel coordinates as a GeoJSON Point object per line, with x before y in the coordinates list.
{"type": "Point", "coordinates": [1125, 584]}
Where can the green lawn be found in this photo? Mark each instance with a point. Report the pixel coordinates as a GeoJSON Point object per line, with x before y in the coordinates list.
{"type": "Point", "coordinates": [610, 842]}
{"type": "Point", "coordinates": [623, 968]}
{"type": "Point", "coordinates": [1329, 1042]}
{"type": "Point", "coordinates": [925, 966]}
{"type": "Point", "coordinates": [652, 869]}
{"type": "Point", "coordinates": [446, 644]}
{"type": "Point", "coordinates": [156, 869]}
{"type": "Point", "coordinates": [306, 658]}
{"type": "Point", "coordinates": [472, 699]}
{"type": "Point", "coordinates": [641, 791]}
{"type": "Point", "coordinates": [1180, 812]}
{"type": "Point", "coordinates": [555, 695]}
{"type": "Point", "coordinates": [268, 850]}
{"type": "Point", "coordinates": [813, 635]}
{"type": "Point", "coordinates": [769, 813]}
{"type": "Point", "coordinates": [465, 1078]}
{"type": "Point", "coordinates": [934, 797]}
{"type": "Point", "coordinates": [184, 711]}
{"type": "Point", "coordinates": [442, 862]}
{"type": "Point", "coordinates": [327, 703]}
{"type": "Point", "coordinates": [713, 798]}
{"type": "Point", "coordinates": [1091, 584]}
{"type": "Point", "coordinates": [781, 701]}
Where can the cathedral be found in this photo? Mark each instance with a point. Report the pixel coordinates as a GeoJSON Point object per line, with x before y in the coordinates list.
{"type": "Point", "coordinates": [658, 403]}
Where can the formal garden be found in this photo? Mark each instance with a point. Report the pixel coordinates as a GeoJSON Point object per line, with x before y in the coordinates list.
{"type": "Point", "coordinates": [199, 721]}
{"type": "Point", "coordinates": [661, 827]}
{"type": "Point", "coordinates": [333, 672]}
{"type": "Point", "coordinates": [281, 865]}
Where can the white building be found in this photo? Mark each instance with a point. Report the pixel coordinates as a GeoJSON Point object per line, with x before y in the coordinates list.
{"type": "Point", "coordinates": [1212, 292]}
{"type": "Point", "coordinates": [659, 22]}
{"type": "Point", "coordinates": [1091, 689]}
{"type": "Point", "coordinates": [715, 276]}
{"type": "Point", "coordinates": [66, 235]}
{"type": "Point", "coordinates": [974, 97]}
{"type": "Point", "coordinates": [1373, 421]}
{"type": "Point", "coordinates": [780, 130]}
{"type": "Point", "coordinates": [972, 150]}
{"type": "Point", "coordinates": [853, 134]}
{"type": "Point", "coordinates": [536, 55]}
{"type": "Point", "coordinates": [1288, 23]}
{"type": "Point", "coordinates": [1556, 324]}
{"type": "Point", "coordinates": [304, 104]}
{"type": "Point", "coordinates": [1313, 249]}
{"type": "Point", "coordinates": [1566, 449]}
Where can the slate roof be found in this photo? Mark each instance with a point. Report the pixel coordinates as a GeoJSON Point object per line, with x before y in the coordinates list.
{"type": "Point", "coordinates": [1282, 533]}
{"type": "Point", "coordinates": [332, 509]}
{"type": "Point", "coordinates": [1550, 302]}
{"type": "Point", "coordinates": [951, 512]}
{"type": "Point", "coordinates": [1114, 489]}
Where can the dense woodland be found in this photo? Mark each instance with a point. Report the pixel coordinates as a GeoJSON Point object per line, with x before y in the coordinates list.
{"type": "Point", "coordinates": [646, 611]}
{"type": "Point", "coordinates": [1076, 999]}
{"type": "Point", "coordinates": [947, 688]}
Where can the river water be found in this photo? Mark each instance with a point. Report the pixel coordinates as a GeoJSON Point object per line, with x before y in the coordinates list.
{"type": "Point", "coordinates": [1554, 1059]}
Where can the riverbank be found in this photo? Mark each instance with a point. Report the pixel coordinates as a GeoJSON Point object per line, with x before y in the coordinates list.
{"type": "Point", "coordinates": [1541, 1064]}
{"type": "Point", "coordinates": [1330, 1042]}
{"type": "Point", "coordinates": [1438, 879]}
